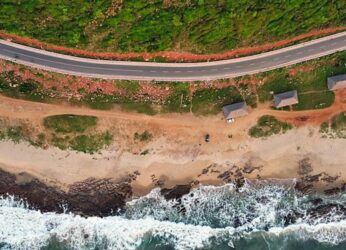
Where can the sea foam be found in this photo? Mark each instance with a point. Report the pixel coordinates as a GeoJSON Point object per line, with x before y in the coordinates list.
{"type": "Point", "coordinates": [205, 217]}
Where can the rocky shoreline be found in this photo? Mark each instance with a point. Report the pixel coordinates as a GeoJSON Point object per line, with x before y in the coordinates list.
{"type": "Point", "coordinates": [105, 197]}
{"type": "Point", "coordinates": [91, 197]}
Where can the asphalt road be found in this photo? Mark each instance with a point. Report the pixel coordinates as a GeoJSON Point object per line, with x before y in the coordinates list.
{"type": "Point", "coordinates": [172, 71]}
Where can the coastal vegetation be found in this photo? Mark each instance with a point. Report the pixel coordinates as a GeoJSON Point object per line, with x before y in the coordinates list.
{"type": "Point", "coordinates": [69, 123]}
{"type": "Point", "coordinates": [268, 125]}
{"type": "Point", "coordinates": [140, 26]}
{"type": "Point", "coordinates": [145, 136]}
{"type": "Point", "coordinates": [78, 133]}
{"type": "Point", "coordinates": [335, 128]}
{"type": "Point", "coordinates": [200, 98]}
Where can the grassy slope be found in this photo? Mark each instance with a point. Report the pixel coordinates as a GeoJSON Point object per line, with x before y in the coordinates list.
{"type": "Point", "coordinates": [197, 25]}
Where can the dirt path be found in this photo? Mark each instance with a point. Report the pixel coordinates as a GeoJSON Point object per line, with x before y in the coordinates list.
{"type": "Point", "coordinates": [15, 108]}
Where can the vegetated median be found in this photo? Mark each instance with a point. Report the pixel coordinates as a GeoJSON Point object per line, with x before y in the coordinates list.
{"type": "Point", "coordinates": [200, 98]}
{"type": "Point", "coordinates": [167, 30]}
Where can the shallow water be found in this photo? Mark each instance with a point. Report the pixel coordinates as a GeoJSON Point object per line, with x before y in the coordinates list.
{"type": "Point", "coordinates": [257, 216]}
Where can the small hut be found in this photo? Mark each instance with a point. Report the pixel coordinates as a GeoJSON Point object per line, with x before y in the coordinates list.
{"type": "Point", "coordinates": [337, 82]}
{"type": "Point", "coordinates": [286, 99]}
{"type": "Point", "coordinates": [235, 110]}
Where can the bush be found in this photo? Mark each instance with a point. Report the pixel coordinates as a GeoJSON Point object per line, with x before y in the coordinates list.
{"type": "Point", "coordinates": [268, 125]}
{"type": "Point", "coordinates": [145, 136]}
{"type": "Point", "coordinates": [69, 123]}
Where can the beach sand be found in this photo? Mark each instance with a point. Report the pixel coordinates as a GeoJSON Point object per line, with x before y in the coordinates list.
{"type": "Point", "coordinates": [177, 154]}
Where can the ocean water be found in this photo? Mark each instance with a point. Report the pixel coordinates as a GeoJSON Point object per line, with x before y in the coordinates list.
{"type": "Point", "coordinates": [257, 216]}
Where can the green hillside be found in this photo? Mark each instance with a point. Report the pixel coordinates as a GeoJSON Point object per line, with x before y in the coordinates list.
{"type": "Point", "coordinates": [201, 26]}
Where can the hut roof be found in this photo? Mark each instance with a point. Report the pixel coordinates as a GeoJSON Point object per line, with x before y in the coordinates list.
{"type": "Point", "coordinates": [337, 82]}
{"type": "Point", "coordinates": [235, 110]}
{"type": "Point", "coordinates": [286, 99]}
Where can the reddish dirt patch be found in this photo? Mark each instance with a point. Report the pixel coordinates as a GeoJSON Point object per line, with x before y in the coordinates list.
{"type": "Point", "coordinates": [169, 55]}
{"type": "Point", "coordinates": [301, 69]}
{"type": "Point", "coordinates": [67, 86]}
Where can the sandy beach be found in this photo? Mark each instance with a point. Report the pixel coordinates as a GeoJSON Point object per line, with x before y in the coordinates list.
{"type": "Point", "coordinates": [274, 157]}
{"type": "Point", "coordinates": [177, 152]}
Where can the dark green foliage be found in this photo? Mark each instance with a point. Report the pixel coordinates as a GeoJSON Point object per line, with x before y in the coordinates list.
{"type": "Point", "coordinates": [91, 143]}
{"type": "Point", "coordinates": [69, 123]}
{"type": "Point", "coordinates": [268, 125]}
{"type": "Point", "coordinates": [13, 86]}
{"type": "Point", "coordinates": [141, 25]}
{"type": "Point", "coordinates": [145, 136]}
{"type": "Point", "coordinates": [14, 134]}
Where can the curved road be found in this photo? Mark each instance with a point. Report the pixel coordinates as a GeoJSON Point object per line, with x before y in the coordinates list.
{"type": "Point", "coordinates": [172, 71]}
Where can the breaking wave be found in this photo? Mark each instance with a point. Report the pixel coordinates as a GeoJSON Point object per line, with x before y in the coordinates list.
{"type": "Point", "coordinates": [261, 215]}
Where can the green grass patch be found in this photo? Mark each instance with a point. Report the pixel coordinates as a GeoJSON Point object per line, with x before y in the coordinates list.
{"type": "Point", "coordinates": [179, 100]}
{"type": "Point", "coordinates": [268, 125]}
{"type": "Point", "coordinates": [69, 123]}
{"type": "Point", "coordinates": [130, 86]}
{"type": "Point", "coordinates": [136, 25]}
{"type": "Point", "coordinates": [91, 143]}
{"type": "Point", "coordinates": [318, 100]}
{"type": "Point", "coordinates": [210, 101]}
{"type": "Point", "coordinates": [144, 108]}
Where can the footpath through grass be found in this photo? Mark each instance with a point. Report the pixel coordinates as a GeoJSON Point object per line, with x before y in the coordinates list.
{"type": "Point", "coordinates": [202, 26]}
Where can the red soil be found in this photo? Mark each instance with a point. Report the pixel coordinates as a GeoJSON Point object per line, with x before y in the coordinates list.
{"type": "Point", "coordinates": [169, 55]}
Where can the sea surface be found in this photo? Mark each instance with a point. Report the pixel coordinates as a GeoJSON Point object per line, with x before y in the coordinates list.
{"type": "Point", "coordinates": [261, 215]}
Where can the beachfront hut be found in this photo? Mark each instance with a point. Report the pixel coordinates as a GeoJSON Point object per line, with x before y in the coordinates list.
{"type": "Point", "coordinates": [286, 99]}
{"type": "Point", "coordinates": [235, 110]}
{"type": "Point", "coordinates": [337, 82]}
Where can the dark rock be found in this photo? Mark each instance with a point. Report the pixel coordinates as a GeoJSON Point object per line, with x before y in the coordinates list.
{"type": "Point", "coordinates": [303, 187]}
{"type": "Point", "coordinates": [239, 182]}
{"type": "Point", "coordinates": [329, 179]}
{"type": "Point", "coordinates": [37, 194]}
{"type": "Point", "coordinates": [98, 197]}
{"type": "Point", "coordinates": [316, 201]}
{"type": "Point", "coordinates": [332, 191]}
{"type": "Point", "coordinates": [91, 197]}
{"type": "Point", "coordinates": [176, 192]}
{"type": "Point", "coordinates": [312, 178]}
{"type": "Point", "coordinates": [323, 210]}
{"type": "Point", "coordinates": [225, 175]}
{"type": "Point", "coordinates": [304, 166]}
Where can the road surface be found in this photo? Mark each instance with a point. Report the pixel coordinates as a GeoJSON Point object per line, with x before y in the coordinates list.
{"type": "Point", "coordinates": [172, 71]}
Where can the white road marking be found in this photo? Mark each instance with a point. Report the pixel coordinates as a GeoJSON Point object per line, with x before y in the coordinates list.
{"type": "Point", "coordinates": [68, 64]}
